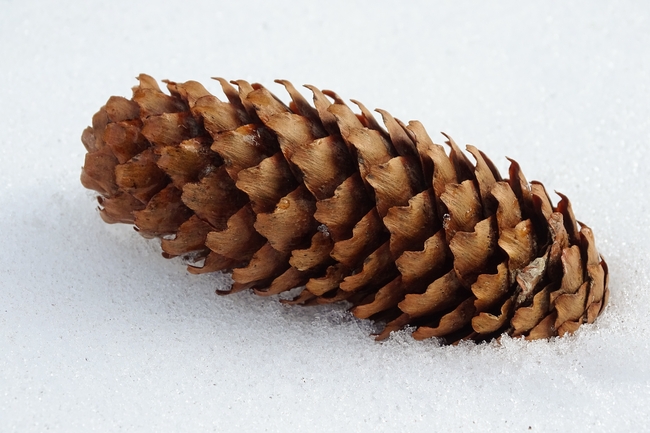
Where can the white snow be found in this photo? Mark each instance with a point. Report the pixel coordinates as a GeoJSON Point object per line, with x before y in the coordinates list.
{"type": "Point", "coordinates": [99, 333]}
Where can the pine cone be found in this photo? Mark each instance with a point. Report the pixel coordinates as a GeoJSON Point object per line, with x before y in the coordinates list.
{"type": "Point", "coordinates": [286, 196]}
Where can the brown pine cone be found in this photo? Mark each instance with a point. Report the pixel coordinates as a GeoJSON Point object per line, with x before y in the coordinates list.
{"type": "Point", "coordinates": [287, 196]}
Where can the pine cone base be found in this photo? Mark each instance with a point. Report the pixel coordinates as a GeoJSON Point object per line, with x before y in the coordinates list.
{"type": "Point", "coordinates": [296, 195]}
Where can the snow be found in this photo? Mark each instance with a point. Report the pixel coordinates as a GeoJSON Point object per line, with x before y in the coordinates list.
{"type": "Point", "coordinates": [98, 332]}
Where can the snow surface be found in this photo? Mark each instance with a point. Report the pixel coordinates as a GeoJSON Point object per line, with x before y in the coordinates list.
{"type": "Point", "coordinates": [99, 333]}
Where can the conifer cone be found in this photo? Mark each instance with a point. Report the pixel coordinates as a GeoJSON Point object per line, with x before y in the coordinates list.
{"type": "Point", "coordinates": [321, 197]}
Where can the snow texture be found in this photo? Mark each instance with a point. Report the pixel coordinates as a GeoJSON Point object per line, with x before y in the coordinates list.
{"type": "Point", "coordinates": [98, 332]}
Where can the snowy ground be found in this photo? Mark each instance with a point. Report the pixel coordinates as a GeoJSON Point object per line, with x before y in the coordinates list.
{"type": "Point", "coordinates": [99, 333]}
